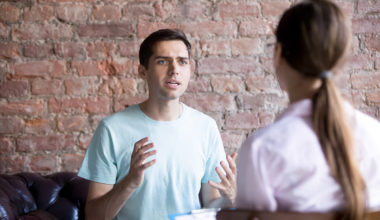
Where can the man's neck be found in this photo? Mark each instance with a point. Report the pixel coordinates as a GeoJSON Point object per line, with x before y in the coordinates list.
{"type": "Point", "coordinates": [162, 111]}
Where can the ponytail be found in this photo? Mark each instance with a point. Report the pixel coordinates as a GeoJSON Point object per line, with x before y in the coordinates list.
{"type": "Point", "coordinates": [336, 140]}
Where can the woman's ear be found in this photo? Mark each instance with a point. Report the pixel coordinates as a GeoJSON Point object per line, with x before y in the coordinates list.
{"type": "Point", "coordinates": [142, 71]}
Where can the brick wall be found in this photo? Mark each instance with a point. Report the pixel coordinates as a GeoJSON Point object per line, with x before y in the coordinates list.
{"type": "Point", "coordinates": [65, 64]}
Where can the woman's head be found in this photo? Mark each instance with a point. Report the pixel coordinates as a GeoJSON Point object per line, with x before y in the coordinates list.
{"type": "Point", "coordinates": [314, 37]}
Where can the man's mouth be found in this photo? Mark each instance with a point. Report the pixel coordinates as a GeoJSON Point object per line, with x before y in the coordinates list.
{"type": "Point", "coordinates": [173, 84]}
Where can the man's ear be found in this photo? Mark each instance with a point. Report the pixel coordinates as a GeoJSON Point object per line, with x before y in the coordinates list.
{"type": "Point", "coordinates": [142, 71]}
{"type": "Point", "coordinates": [277, 55]}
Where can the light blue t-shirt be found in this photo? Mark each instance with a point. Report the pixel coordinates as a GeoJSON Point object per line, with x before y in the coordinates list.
{"type": "Point", "coordinates": [188, 150]}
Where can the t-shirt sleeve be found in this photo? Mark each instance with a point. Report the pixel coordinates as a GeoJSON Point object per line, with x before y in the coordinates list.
{"type": "Point", "coordinates": [215, 154]}
{"type": "Point", "coordinates": [254, 190]}
{"type": "Point", "coordinates": [99, 164]}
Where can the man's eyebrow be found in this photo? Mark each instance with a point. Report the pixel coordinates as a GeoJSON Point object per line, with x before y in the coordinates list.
{"type": "Point", "coordinates": [165, 57]}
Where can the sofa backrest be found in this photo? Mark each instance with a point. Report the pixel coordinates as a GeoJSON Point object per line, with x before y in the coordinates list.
{"type": "Point", "coordinates": [61, 194]}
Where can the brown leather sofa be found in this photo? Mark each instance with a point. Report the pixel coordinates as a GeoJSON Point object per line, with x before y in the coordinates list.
{"type": "Point", "coordinates": [30, 196]}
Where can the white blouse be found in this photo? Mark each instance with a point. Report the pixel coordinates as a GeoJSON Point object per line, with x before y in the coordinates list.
{"type": "Point", "coordinates": [282, 166]}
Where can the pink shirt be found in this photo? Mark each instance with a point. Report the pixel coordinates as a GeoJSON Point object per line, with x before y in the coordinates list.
{"type": "Point", "coordinates": [282, 166]}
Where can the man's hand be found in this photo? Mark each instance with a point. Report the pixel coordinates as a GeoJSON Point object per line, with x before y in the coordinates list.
{"type": "Point", "coordinates": [138, 166]}
{"type": "Point", "coordinates": [227, 186]}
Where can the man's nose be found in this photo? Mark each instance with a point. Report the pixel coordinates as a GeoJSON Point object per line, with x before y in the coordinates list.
{"type": "Point", "coordinates": [173, 69]}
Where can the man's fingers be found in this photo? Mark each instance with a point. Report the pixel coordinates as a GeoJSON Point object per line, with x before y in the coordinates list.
{"type": "Point", "coordinates": [216, 185]}
{"type": "Point", "coordinates": [231, 162]}
{"type": "Point", "coordinates": [221, 175]}
{"type": "Point", "coordinates": [140, 143]}
{"type": "Point", "coordinates": [148, 164]}
{"type": "Point", "coordinates": [228, 171]}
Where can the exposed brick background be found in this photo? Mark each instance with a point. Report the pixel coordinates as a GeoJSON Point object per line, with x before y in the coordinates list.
{"type": "Point", "coordinates": [66, 64]}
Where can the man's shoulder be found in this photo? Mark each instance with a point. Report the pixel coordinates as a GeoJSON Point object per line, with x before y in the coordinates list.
{"type": "Point", "coordinates": [128, 114]}
{"type": "Point", "coordinates": [194, 114]}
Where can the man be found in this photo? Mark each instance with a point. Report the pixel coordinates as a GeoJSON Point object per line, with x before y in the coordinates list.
{"type": "Point", "coordinates": [153, 159]}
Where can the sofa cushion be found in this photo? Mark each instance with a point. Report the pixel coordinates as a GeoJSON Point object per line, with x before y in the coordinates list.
{"type": "Point", "coordinates": [61, 194]}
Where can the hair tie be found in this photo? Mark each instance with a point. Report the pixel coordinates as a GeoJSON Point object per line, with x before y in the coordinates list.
{"type": "Point", "coordinates": [325, 75]}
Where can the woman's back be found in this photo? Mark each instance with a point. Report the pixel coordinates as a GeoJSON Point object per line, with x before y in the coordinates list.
{"type": "Point", "coordinates": [283, 167]}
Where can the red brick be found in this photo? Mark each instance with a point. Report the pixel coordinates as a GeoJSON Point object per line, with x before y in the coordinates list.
{"type": "Point", "coordinates": [373, 42]}
{"type": "Point", "coordinates": [84, 141]}
{"type": "Point", "coordinates": [11, 125]}
{"type": "Point", "coordinates": [377, 63]}
{"type": "Point", "coordinates": [266, 118]}
{"type": "Point", "coordinates": [90, 68]}
{"type": "Point", "coordinates": [34, 31]}
{"type": "Point", "coordinates": [135, 12]}
{"type": "Point", "coordinates": [47, 87]}
{"type": "Point", "coordinates": [274, 8]}
{"type": "Point", "coordinates": [119, 67]}
{"type": "Point", "coordinates": [110, 87]}
{"type": "Point", "coordinates": [166, 9]}
{"type": "Point", "coordinates": [98, 105]}
{"type": "Point", "coordinates": [243, 120]}
{"type": "Point", "coordinates": [224, 84]}
{"type": "Point", "coordinates": [209, 102]}
{"type": "Point", "coordinates": [129, 49]}
{"type": "Point", "coordinates": [6, 145]}
{"type": "Point", "coordinates": [129, 86]}
{"type": "Point", "coordinates": [9, 13]}
{"type": "Point", "coordinates": [210, 28]}
{"type": "Point", "coordinates": [70, 50]}
{"type": "Point", "coordinates": [195, 9]}
{"type": "Point", "coordinates": [72, 123]}
{"type": "Point", "coordinates": [12, 164]}
{"type": "Point", "coordinates": [71, 162]}
{"type": "Point", "coordinates": [246, 46]}
{"type": "Point", "coordinates": [123, 101]}
{"type": "Point", "coordinates": [38, 50]}
{"type": "Point", "coordinates": [366, 25]}
{"type": "Point", "coordinates": [38, 13]}
{"type": "Point", "coordinates": [80, 86]}
{"type": "Point", "coordinates": [106, 30]}
{"type": "Point", "coordinates": [145, 28]}
{"type": "Point", "coordinates": [359, 61]}
{"type": "Point", "coordinates": [69, 105]}
{"type": "Point", "coordinates": [9, 51]}
{"type": "Point", "coordinates": [31, 108]}
{"type": "Point", "coordinates": [215, 47]}
{"type": "Point", "coordinates": [13, 89]}
{"type": "Point", "coordinates": [263, 102]}
{"type": "Point", "coordinates": [211, 65]}
{"type": "Point", "coordinates": [42, 143]}
{"type": "Point", "coordinates": [233, 10]}
{"type": "Point", "coordinates": [100, 50]}
{"type": "Point", "coordinates": [232, 140]}
{"type": "Point", "coordinates": [261, 83]}
{"type": "Point", "coordinates": [267, 66]}
{"type": "Point", "coordinates": [254, 27]}
{"type": "Point", "coordinates": [43, 163]}
{"type": "Point", "coordinates": [365, 80]}
{"type": "Point", "coordinates": [39, 68]}
{"type": "Point", "coordinates": [4, 31]}
{"type": "Point", "coordinates": [106, 13]}
{"type": "Point", "coordinates": [368, 6]}
{"type": "Point", "coordinates": [39, 125]}
{"type": "Point", "coordinates": [72, 13]}
{"type": "Point", "coordinates": [199, 85]}
{"type": "Point", "coordinates": [373, 97]}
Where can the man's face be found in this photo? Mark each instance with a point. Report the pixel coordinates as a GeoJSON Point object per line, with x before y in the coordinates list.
{"type": "Point", "coordinates": [168, 72]}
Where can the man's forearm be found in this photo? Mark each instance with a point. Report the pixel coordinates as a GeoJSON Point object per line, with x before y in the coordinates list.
{"type": "Point", "coordinates": [221, 202]}
{"type": "Point", "coordinates": [110, 204]}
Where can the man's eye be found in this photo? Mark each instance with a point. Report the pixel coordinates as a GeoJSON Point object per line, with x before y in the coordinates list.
{"type": "Point", "coordinates": [182, 62]}
{"type": "Point", "coordinates": [162, 62]}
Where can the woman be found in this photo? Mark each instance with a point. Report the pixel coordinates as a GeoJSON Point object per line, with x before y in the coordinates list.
{"type": "Point", "coordinates": [321, 155]}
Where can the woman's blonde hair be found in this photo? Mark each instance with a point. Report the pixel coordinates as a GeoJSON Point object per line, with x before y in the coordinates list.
{"type": "Point", "coordinates": [315, 37]}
